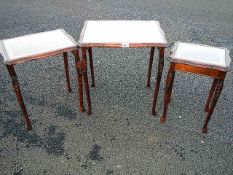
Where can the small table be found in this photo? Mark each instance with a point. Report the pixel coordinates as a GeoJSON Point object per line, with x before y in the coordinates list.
{"type": "Point", "coordinates": [200, 59]}
{"type": "Point", "coordinates": [124, 34]}
{"type": "Point", "coordinates": [34, 47]}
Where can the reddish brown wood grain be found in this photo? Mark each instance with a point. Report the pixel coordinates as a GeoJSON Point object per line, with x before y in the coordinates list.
{"type": "Point", "coordinates": [152, 51]}
{"type": "Point", "coordinates": [18, 94]}
{"type": "Point", "coordinates": [200, 70]}
{"type": "Point", "coordinates": [84, 71]}
{"type": "Point", "coordinates": [79, 67]}
{"type": "Point", "coordinates": [67, 76]}
{"type": "Point", "coordinates": [119, 45]}
{"type": "Point", "coordinates": [91, 67]}
{"type": "Point", "coordinates": [158, 80]}
{"type": "Point", "coordinates": [214, 93]}
{"type": "Point", "coordinates": [213, 87]}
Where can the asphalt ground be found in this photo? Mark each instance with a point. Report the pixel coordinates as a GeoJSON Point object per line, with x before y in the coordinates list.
{"type": "Point", "coordinates": [121, 136]}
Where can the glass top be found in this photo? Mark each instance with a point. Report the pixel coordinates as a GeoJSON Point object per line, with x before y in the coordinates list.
{"type": "Point", "coordinates": [202, 55]}
{"type": "Point", "coordinates": [36, 44]}
{"type": "Point", "coordinates": [121, 32]}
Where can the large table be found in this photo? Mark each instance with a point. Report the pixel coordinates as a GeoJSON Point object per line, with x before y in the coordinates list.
{"type": "Point", "coordinates": [123, 34]}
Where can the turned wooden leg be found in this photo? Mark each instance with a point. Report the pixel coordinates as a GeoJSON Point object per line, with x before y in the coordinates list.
{"type": "Point", "coordinates": [19, 97]}
{"type": "Point", "coordinates": [207, 106]}
{"type": "Point", "coordinates": [217, 93]}
{"type": "Point", "coordinates": [152, 51]}
{"type": "Point", "coordinates": [168, 91]}
{"type": "Point", "coordinates": [87, 91]}
{"type": "Point", "coordinates": [171, 84]}
{"type": "Point", "coordinates": [66, 65]}
{"type": "Point", "coordinates": [159, 75]}
{"type": "Point", "coordinates": [78, 67]}
{"type": "Point", "coordinates": [91, 67]}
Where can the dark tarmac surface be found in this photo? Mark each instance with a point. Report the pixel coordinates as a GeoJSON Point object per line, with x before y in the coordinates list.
{"type": "Point", "coordinates": [121, 137]}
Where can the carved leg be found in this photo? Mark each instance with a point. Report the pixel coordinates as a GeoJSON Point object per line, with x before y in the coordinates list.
{"type": "Point", "coordinates": [217, 93]}
{"type": "Point", "coordinates": [152, 51]}
{"type": "Point", "coordinates": [168, 91]}
{"type": "Point", "coordinates": [78, 68]}
{"type": "Point", "coordinates": [211, 94]}
{"type": "Point", "coordinates": [87, 91]}
{"type": "Point", "coordinates": [19, 97]}
{"type": "Point", "coordinates": [91, 67]}
{"type": "Point", "coordinates": [66, 65]}
{"type": "Point", "coordinates": [159, 75]}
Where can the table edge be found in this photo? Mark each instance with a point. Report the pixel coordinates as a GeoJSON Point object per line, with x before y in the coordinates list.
{"type": "Point", "coordinates": [40, 56]}
{"type": "Point", "coordinates": [122, 45]}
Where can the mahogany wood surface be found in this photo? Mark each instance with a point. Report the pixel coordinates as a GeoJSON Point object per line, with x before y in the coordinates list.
{"type": "Point", "coordinates": [217, 93]}
{"type": "Point", "coordinates": [91, 67]}
{"type": "Point", "coordinates": [67, 76]}
{"type": "Point", "coordinates": [90, 39]}
{"type": "Point", "coordinates": [79, 66]}
{"type": "Point", "coordinates": [215, 73]}
{"type": "Point", "coordinates": [159, 75]}
{"type": "Point", "coordinates": [152, 51]}
{"type": "Point", "coordinates": [213, 87]}
{"type": "Point", "coordinates": [214, 93]}
{"type": "Point", "coordinates": [84, 72]}
{"type": "Point", "coordinates": [34, 53]}
{"type": "Point", "coordinates": [18, 94]}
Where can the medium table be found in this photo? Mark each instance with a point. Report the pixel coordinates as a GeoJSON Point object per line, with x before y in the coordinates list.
{"type": "Point", "coordinates": [124, 34]}
{"type": "Point", "coordinates": [39, 46]}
